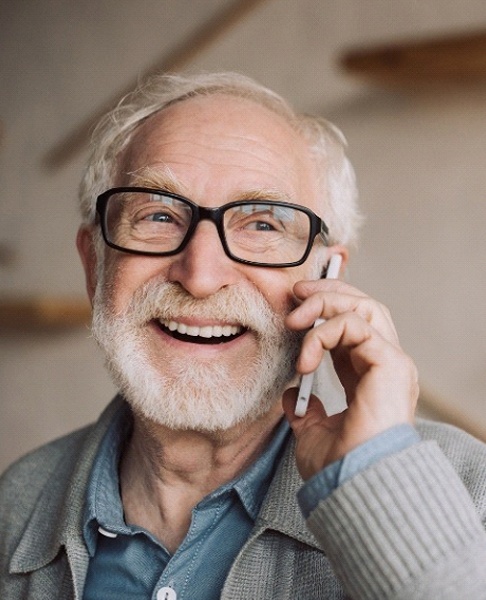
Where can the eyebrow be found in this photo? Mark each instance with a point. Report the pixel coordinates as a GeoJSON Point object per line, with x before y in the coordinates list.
{"type": "Point", "coordinates": [161, 177]}
{"type": "Point", "coordinates": [260, 195]}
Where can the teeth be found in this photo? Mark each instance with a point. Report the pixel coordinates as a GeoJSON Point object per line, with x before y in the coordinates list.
{"type": "Point", "coordinates": [228, 330]}
{"type": "Point", "coordinates": [171, 325]}
{"type": "Point", "coordinates": [207, 331]}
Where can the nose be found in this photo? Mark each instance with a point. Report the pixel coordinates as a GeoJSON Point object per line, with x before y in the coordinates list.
{"type": "Point", "coordinates": [203, 268]}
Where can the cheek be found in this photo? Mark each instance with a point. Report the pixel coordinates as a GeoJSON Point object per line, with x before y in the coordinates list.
{"type": "Point", "coordinates": [277, 289]}
{"type": "Point", "coordinates": [277, 286]}
{"type": "Point", "coordinates": [125, 274]}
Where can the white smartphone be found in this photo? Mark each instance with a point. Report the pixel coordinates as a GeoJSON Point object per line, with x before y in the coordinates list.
{"type": "Point", "coordinates": [307, 380]}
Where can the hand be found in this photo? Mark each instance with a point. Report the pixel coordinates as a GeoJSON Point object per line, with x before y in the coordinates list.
{"type": "Point", "coordinates": [379, 379]}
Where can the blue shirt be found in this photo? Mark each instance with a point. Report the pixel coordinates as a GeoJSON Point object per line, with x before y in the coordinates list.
{"type": "Point", "coordinates": [128, 562]}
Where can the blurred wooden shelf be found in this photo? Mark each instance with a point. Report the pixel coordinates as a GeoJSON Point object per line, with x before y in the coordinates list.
{"type": "Point", "coordinates": [43, 312]}
{"type": "Point", "coordinates": [453, 59]}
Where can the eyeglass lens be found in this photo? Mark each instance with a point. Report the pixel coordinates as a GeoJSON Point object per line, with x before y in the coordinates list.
{"type": "Point", "coordinates": [254, 231]}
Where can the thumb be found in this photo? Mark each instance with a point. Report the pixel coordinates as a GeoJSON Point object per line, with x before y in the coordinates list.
{"type": "Point", "coordinates": [315, 411]}
{"type": "Point", "coordinates": [289, 400]}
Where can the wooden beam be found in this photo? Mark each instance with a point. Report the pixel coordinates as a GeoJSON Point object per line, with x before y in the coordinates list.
{"type": "Point", "coordinates": [43, 313]}
{"type": "Point", "coordinates": [181, 55]}
{"type": "Point", "coordinates": [459, 58]}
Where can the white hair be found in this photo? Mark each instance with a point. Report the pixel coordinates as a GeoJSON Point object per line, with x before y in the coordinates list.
{"type": "Point", "coordinates": [327, 144]}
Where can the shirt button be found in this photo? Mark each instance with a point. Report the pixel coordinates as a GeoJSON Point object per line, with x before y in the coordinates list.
{"type": "Point", "coordinates": [106, 533]}
{"type": "Point", "coordinates": [166, 593]}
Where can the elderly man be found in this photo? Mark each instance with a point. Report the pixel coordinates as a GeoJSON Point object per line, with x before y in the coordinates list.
{"type": "Point", "coordinates": [210, 214]}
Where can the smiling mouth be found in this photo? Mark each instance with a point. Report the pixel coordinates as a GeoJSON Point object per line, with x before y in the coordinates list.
{"type": "Point", "coordinates": [207, 334]}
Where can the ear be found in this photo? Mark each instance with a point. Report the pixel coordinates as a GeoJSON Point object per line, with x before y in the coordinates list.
{"type": "Point", "coordinates": [337, 249]}
{"type": "Point", "coordinates": [86, 248]}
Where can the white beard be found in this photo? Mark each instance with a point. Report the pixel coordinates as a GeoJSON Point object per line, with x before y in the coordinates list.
{"type": "Point", "coordinates": [197, 395]}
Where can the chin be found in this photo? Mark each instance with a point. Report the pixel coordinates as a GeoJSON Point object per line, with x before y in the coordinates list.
{"type": "Point", "coordinates": [202, 397]}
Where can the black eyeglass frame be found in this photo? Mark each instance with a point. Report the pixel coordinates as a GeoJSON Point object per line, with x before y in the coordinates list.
{"type": "Point", "coordinates": [215, 215]}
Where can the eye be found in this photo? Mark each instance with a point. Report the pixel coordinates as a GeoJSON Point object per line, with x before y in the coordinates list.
{"type": "Point", "coordinates": [159, 217]}
{"type": "Point", "coordinates": [260, 226]}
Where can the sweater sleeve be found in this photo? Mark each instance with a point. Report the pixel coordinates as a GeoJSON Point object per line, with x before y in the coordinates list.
{"type": "Point", "coordinates": [326, 481]}
{"type": "Point", "coordinates": [406, 528]}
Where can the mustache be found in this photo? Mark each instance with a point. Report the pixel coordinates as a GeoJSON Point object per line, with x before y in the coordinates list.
{"type": "Point", "coordinates": [240, 304]}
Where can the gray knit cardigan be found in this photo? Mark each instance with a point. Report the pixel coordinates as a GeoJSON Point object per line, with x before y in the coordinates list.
{"type": "Point", "coordinates": [410, 527]}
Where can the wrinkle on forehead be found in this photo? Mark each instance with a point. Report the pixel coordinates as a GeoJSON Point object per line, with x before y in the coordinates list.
{"type": "Point", "coordinates": [239, 133]}
{"type": "Point", "coordinates": [161, 177]}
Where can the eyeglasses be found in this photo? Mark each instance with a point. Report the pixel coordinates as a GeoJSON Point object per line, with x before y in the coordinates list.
{"type": "Point", "coordinates": [153, 222]}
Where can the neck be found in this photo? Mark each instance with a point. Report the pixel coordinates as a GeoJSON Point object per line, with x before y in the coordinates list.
{"type": "Point", "coordinates": [165, 473]}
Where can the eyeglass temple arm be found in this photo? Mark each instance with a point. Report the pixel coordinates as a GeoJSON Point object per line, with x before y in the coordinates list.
{"type": "Point", "coordinates": [324, 233]}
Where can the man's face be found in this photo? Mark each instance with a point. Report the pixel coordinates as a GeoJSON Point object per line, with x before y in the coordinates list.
{"type": "Point", "coordinates": [153, 314]}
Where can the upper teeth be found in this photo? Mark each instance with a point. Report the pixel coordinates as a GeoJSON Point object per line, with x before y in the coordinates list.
{"type": "Point", "coordinates": [206, 331]}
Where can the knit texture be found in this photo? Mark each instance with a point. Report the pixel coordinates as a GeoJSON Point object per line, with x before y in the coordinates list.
{"type": "Point", "coordinates": [408, 527]}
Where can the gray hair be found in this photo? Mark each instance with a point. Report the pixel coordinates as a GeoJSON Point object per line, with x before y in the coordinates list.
{"type": "Point", "coordinates": [327, 144]}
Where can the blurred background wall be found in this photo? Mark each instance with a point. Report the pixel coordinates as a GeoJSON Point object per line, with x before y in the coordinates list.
{"type": "Point", "coordinates": [417, 140]}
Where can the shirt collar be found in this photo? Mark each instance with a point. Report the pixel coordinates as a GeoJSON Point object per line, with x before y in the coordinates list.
{"type": "Point", "coordinates": [253, 484]}
{"type": "Point", "coordinates": [103, 501]}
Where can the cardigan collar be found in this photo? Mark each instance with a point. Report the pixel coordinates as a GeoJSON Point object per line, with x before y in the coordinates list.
{"type": "Point", "coordinates": [56, 520]}
{"type": "Point", "coordinates": [57, 517]}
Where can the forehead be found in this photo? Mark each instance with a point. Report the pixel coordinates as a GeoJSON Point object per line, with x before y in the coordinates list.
{"type": "Point", "coordinates": [222, 144]}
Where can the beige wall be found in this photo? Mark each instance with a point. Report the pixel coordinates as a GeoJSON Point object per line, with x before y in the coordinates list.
{"type": "Point", "coordinates": [419, 158]}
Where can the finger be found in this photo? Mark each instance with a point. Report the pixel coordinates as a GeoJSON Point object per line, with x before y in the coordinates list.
{"type": "Point", "coordinates": [329, 304]}
{"type": "Point", "coordinates": [346, 330]}
{"type": "Point", "coordinates": [306, 287]}
{"type": "Point", "coordinates": [315, 411]}
{"type": "Point", "coordinates": [359, 351]}
{"type": "Point", "coordinates": [289, 400]}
